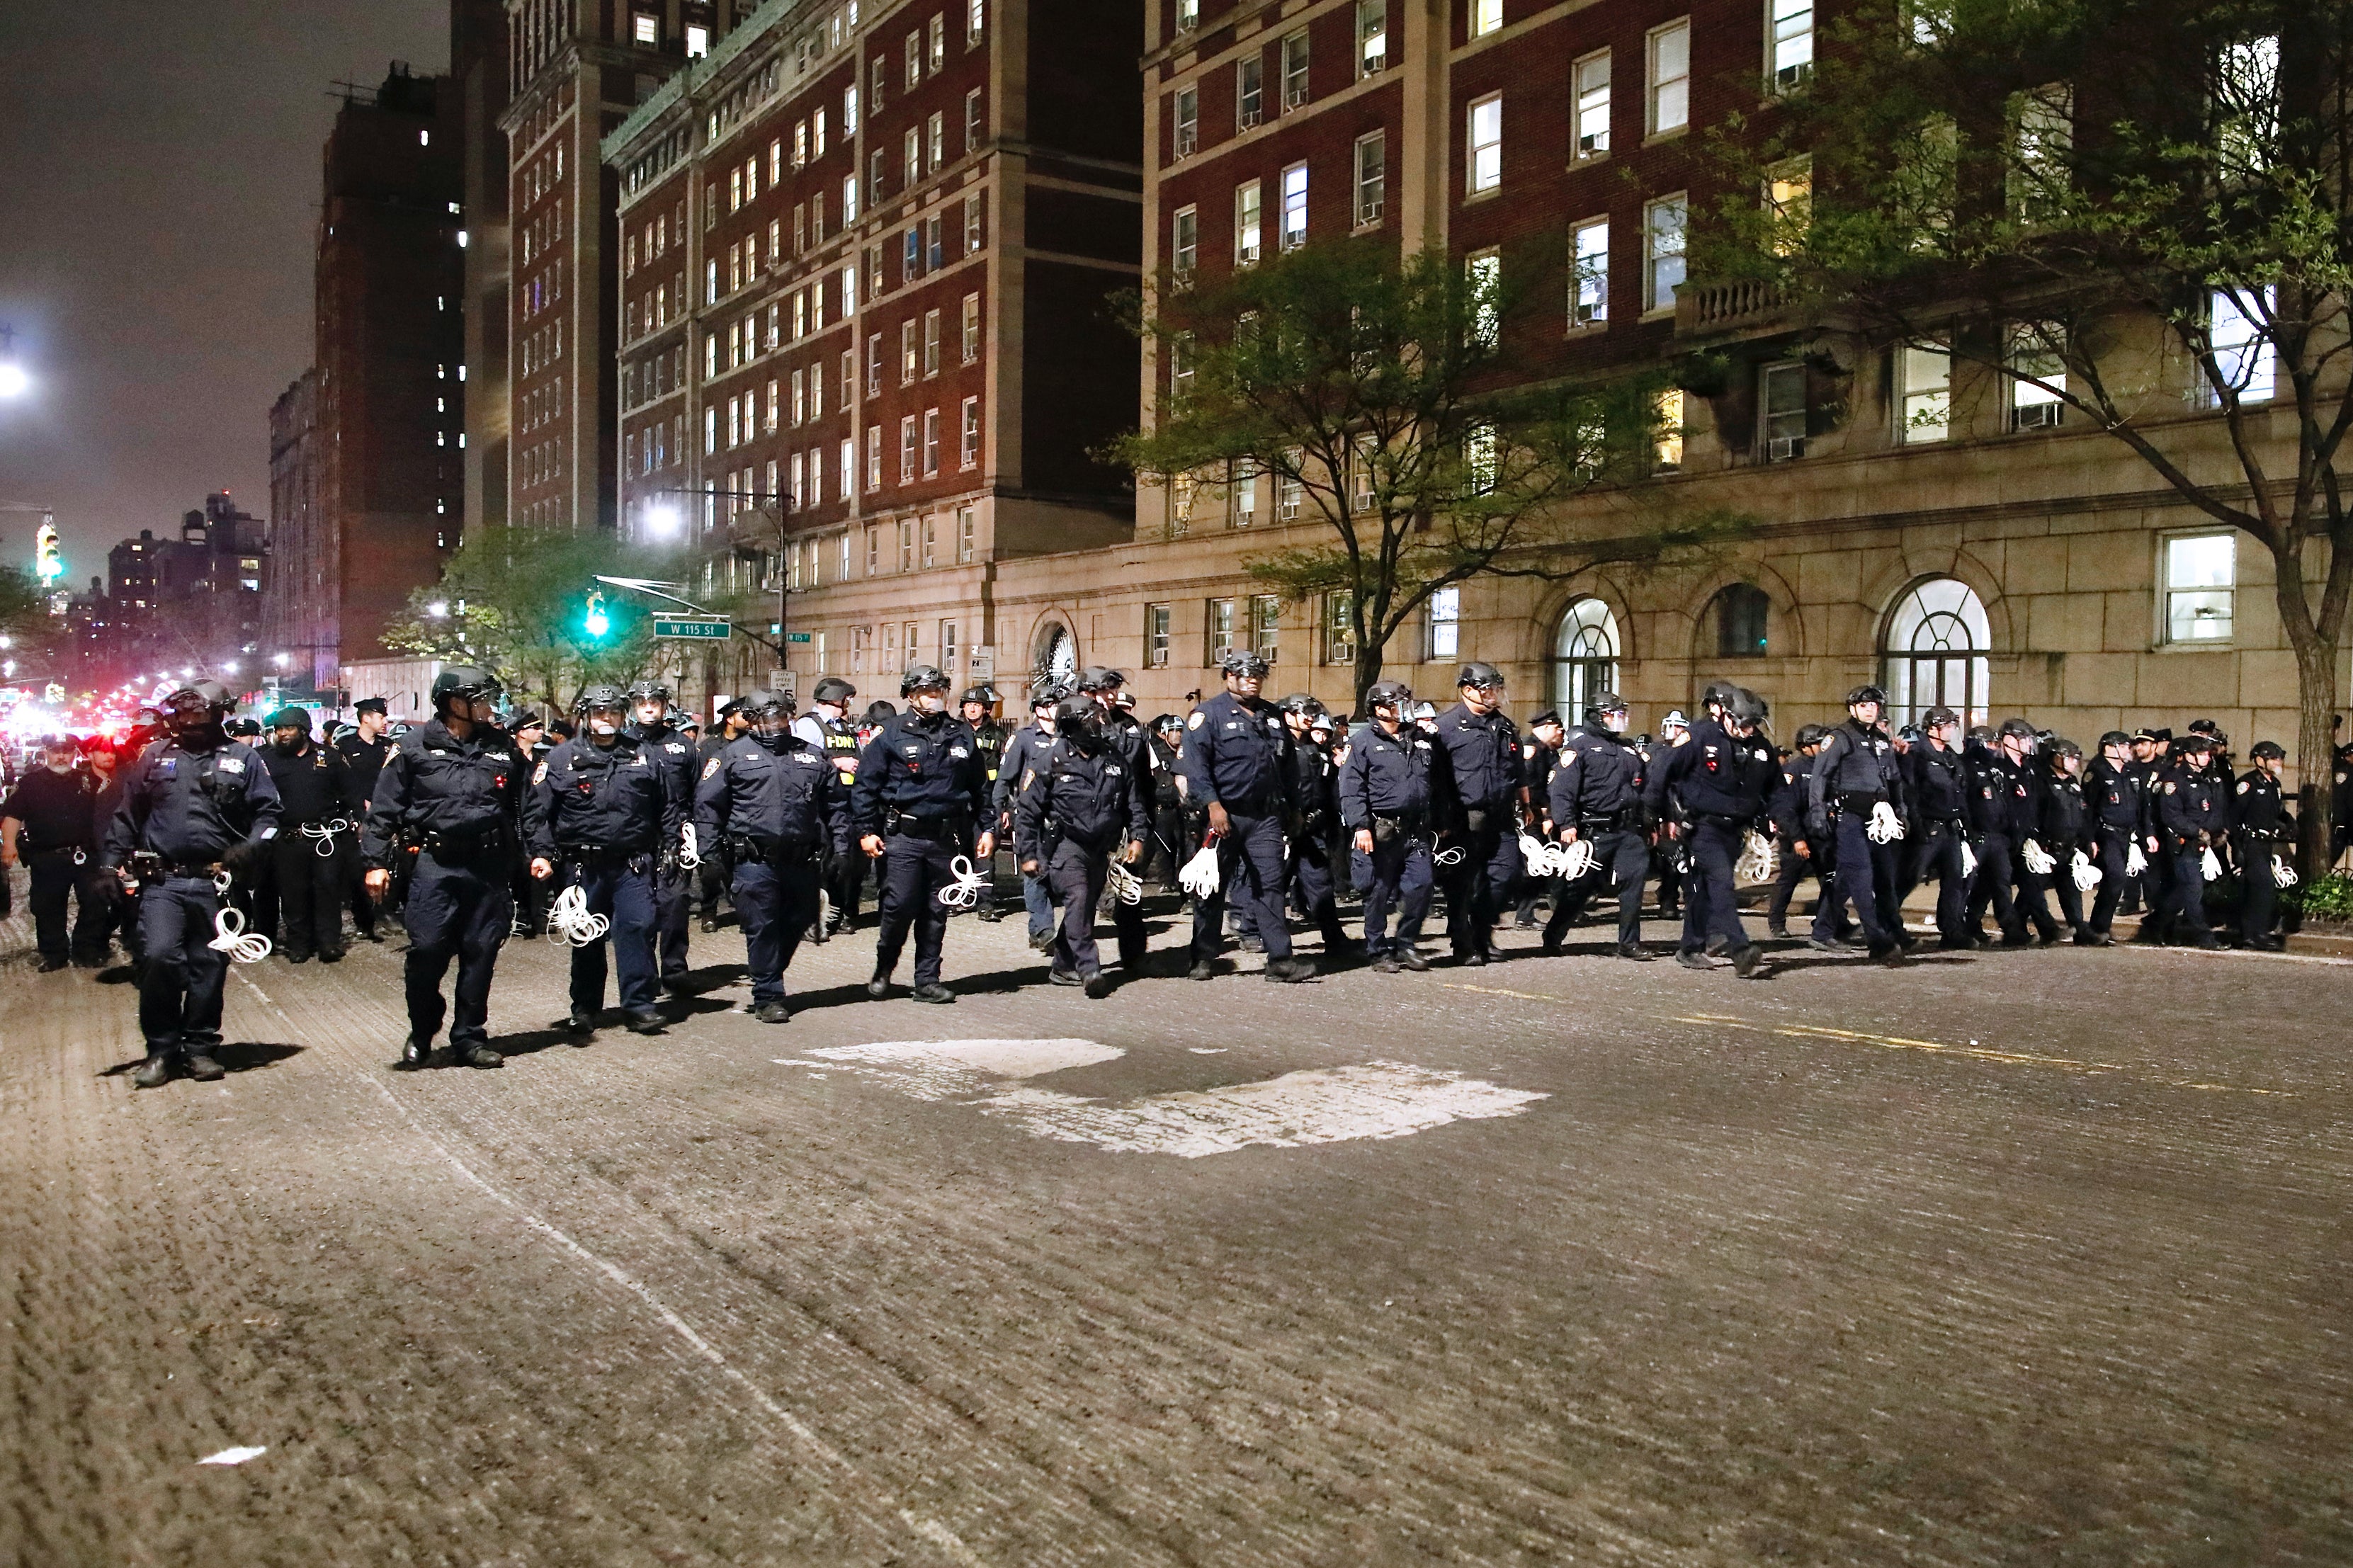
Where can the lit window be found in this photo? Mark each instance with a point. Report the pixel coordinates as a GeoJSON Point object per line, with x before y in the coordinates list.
{"type": "Point", "coordinates": [1791, 36]}
{"type": "Point", "coordinates": [1486, 16]}
{"type": "Point", "coordinates": [1663, 223]}
{"type": "Point", "coordinates": [1188, 15]}
{"type": "Point", "coordinates": [1372, 177]}
{"type": "Point", "coordinates": [1484, 166]}
{"type": "Point", "coordinates": [968, 450]}
{"type": "Point", "coordinates": [645, 29]}
{"type": "Point", "coordinates": [1372, 36]}
{"type": "Point", "coordinates": [971, 342]}
{"type": "Point", "coordinates": [1667, 442]}
{"type": "Point", "coordinates": [907, 449]}
{"type": "Point", "coordinates": [1924, 374]}
{"type": "Point", "coordinates": [1670, 108]}
{"type": "Point", "coordinates": [1295, 206]}
{"type": "Point", "coordinates": [1218, 623]}
{"type": "Point", "coordinates": [1247, 214]}
{"type": "Point", "coordinates": [1156, 625]}
{"type": "Point", "coordinates": [1444, 620]}
{"type": "Point", "coordinates": [1592, 78]}
{"type": "Point", "coordinates": [2244, 354]}
{"type": "Point", "coordinates": [1589, 303]}
{"type": "Point", "coordinates": [1788, 204]}
{"type": "Point", "coordinates": [698, 41]}
{"type": "Point", "coordinates": [1484, 274]}
{"type": "Point", "coordinates": [2038, 382]}
{"type": "Point", "coordinates": [2200, 572]}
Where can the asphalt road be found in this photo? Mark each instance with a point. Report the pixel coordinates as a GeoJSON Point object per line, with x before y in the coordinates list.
{"type": "Point", "coordinates": [2016, 1257]}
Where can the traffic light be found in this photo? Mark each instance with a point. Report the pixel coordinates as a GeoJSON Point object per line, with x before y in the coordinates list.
{"type": "Point", "coordinates": [595, 622]}
{"type": "Point", "coordinates": [48, 565]}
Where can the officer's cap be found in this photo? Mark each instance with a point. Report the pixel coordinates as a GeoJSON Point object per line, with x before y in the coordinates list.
{"type": "Point", "coordinates": [1937, 717]}
{"type": "Point", "coordinates": [922, 678]}
{"type": "Point", "coordinates": [1099, 677]}
{"type": "Point", "coordinates": [1124, 701]}
{"type": "Point", "coordinates": [525, 717]}
{"type": "Point", "coordinates": [291, 719]}
{"type": "Point", "coordinates": [732, 706]}
{"type": "Point", "coordinates": [877, 710]}
{"type": "Point", "coordinates": [2267, 749]}
{"type": "Point", "coordinates": [2205, 727]}
{"type": "Point", "coordinates": [1549, 716]}
{"type": "Point", "coordinates": [833, 689]}
{"type": "Point", "coordinates": [243, 728]}
{"type": "Point", "coordinates": [1478, 674]}
{"type": "Point", "coordinates": [1243, 662]}
{"type": "Point", "coordinates": [370, 705]}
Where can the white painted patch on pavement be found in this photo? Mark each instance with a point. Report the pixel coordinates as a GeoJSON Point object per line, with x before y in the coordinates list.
{"type": "Point", "coordinates": [1320, 1105]}
{"type": "Point", "coordinates": [233, 1455]}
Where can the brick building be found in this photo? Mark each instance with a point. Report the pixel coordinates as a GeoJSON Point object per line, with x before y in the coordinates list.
{"type": "Point", "coordinates": [370, 442]}
{"type": "Point", "coordinates": [868, 263]}
{"type": "Point", "coordinates": [195, 598]}
{"type": "Point", "coordinates": [481, 76]}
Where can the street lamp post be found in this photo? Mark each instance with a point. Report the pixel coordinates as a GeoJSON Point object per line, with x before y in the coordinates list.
{"type": "Point", "coordinates": [763, 501]}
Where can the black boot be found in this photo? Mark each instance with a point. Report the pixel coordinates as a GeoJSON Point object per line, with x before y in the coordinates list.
{"type": "Point", "coordinates": [204, 1069]}
{"type": "Point", "coordinates": [154, 1072]}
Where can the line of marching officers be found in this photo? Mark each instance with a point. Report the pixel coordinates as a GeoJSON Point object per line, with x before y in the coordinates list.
{"type": "Point", "coordinates": [617, 820]}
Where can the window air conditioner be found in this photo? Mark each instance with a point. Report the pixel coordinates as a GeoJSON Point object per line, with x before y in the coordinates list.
{"type": "Point", "coordinates": [1247, 117]}
{"type": "Point", "coordinates": [1782, 448]}
{"type": "Point", "coordinates": [2036, 416]}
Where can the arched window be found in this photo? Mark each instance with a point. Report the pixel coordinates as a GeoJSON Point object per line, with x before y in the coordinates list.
{"type": "Point", "coordinates": [1057, 654]}
{"type": "Point", "coordinates": [1933, 653]}
{"type": "Point", "coordinates": [1583, 659]}
{"type": "Point", "coordinates": [1738, 612]}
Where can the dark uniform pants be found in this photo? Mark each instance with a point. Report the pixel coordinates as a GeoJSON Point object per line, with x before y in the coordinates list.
{"type": "Point", "coordinates": [309, 888]}
{"type": "Point", "coordinates": [2258, 894]}
{"type": "Point", "coordinates": [1623, 858]}
{"type": "Point", "coordinates": [777, 902]}
{"type": "Point", "coordinates": [54, 877]}
{"type": "Point", "coordinates": [1940, 851]}
{"type": "Point", "coordinates": [1396, 874]}
{"type": "Point", "coordinates": [1475, 889]}
{"type": "Point", "coordinates": [1709, 904]}
{"type": "Point", "coordinates": [1791, 868]}
{"type": "Point", "coordinates": [1996, 857]}
{"type": "Point", "coordinates": [1865, 875]}
{"type": "Point", "coordinates": [844, 886]}
{"type": "Point", "coordinates": [1250, 875]}
{"type": "Point", "coordinates": [460, 912]}
{"type": "Point", "coordinates": [623, 892]}
{"type": "Point", "coordinates": [2185, 893]}
{"type": "Point", "coordinates": [1077, 874]}
{"type": "Point", "coordinates": [2115, 845]}
{"type": "Point", "coordinates": [180, 988]}
{"type": "Point", "coordinates": [2032, 908]}
{"type": "Point", "coordinates": [673, 904]}
{"type": "Point", "coordinates": [913, 871]}
{"type": "Point", "coordinates": [1311, 872]}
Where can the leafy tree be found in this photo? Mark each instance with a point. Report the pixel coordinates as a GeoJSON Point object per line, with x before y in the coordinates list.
{"type": "Point", "coordinates": [513, 601]}
{"type": "Point", "coordinates": [1387, 396]}
{"type": "Point", "coordinates": [2133, 210]}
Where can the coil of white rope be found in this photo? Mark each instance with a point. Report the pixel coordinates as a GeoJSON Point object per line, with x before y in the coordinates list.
{"type": "Point", "coordinates": [322, 836]}
{"type": "Point", "coordinates": [230, 936]}
{"type": "Point", "coordinates": [1574, 860]}
{"type": "Point", "coordinates": [1885, 828]}
{"type": "Point", "coordinates": [2086, 874]}
{"type": "Point", "coordinates": [689, 855]}
{"type": "Point", "coordinates": [569, 919]}
{"type": "Point", "coordinates": [1451, 855]}
{"type": "Point", "coordinates": [2135, 861]}
{"type": "Point", "coordinates": [1759, 864]}
{"type": "Point", "coordinates": [1199, 876]}
{"type": "Point", "coordinates": [965, 891]}
{"type": "Point", "coordinates": [2038, 859]}
{"type": "Point", "coordinates": [1126, 885]}
{"type": "Point", "coordinates": [2283, 874]}
{"type": "Point", "coordinates": [1969, 862]}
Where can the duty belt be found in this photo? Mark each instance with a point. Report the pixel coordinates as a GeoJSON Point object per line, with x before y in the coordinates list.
{"type": "Point", "coordinates": [602, 854]}
{"type": "Point", "coordinates": [1610, 822]}
{"type": "Point", "coordinates": [938, 828]}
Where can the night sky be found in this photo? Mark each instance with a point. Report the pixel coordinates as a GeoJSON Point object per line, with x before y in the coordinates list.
{"type": "Point", "coordinates": [159, 179]}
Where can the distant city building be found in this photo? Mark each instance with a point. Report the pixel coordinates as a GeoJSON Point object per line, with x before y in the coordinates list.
{"type": "Point", "coordinates": [481, 76]}
{"type": "Point", "coordinates": [199, 596]}
{"type": "Point", "coordinates": [368, 448]}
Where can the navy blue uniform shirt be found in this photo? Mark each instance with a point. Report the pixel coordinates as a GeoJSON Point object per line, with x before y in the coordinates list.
{"type": "Point", "coordinates": [1086, 796]}
{"type": "Point", "coordinates": [1597, 775]}
{"type": "Point", "coordinates": [1714, 773]}
{"type": "Point", "coordinates": [1237, 754]}
{"type": "Point", "coordinates": [469, 791]}
{"type": "Point", "coordinates": [928, 767]}
{"type": "Point", "coordinates": [1483, 752]}
{"type": "Point", "coordinates": [1401, 775]}
{"type": "Point", "coordinates": [1938, 784]}
{"type": "Point", "coordinates": [778, 791]}
{"type": "Point", "coordinates": [615, 797]}
{"type": "Point", "coordinates": [192, 800]}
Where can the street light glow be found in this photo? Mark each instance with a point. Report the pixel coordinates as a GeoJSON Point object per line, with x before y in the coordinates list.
{"type": "Point", "coordinates": [14, 382]}
{"type": "Point", "coordinates": [663, 521]}
{"type": "Point", "coordinates": [438, 609]}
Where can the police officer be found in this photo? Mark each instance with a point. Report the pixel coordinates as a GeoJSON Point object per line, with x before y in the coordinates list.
{"type": "Point", "coordinates": [711, 877]}
{"type": "Point", "coordinates": [602, 815]}
{"type": "Point", "coordinates": [1668, 849]}
{"type": "Point", "coordinates": [1721, 775]}
{"type": "Point", "coordinates": [1483, 751]}
{"type": "Point", "coordinates": [826, 726]}
{"type": "Point", "coordinates": [1936, 783]}
{"type": "Point", "coordinates": [447, 803]}
{"type": "Point", "coordinates": [2264, 830]}
{"type": "Point", "coordinates": [364, 747]}
{"type": "Point", "coordinates": [2192, 817]}
{"type": "Point", "coordinates": [1793, 859]}
{"type": "Point", "coordinates": [1314, 793]}
{"type": "Point", "coordinates": [1078, 805]}
{"type": "Point", "coordinates": [49, 822]}
{"type": "Point", "coordinates": [1164, 850]}
{"type": "Point", "coordinates": [2113, 794]}
{"type": "Point", "coordinates": [1539, 754]}
{"type": "Point", "coordinates": [922, 796]}
{"type": "Point", "coordinates": [977, 708]}
{"type": "Point", "coordinates": [1594, 796]}
{"type": "Point", "coordinates": [2062, 828]}
{"type": "Point", "coordinates": [668, 748]}
{"type": "Point", "coordinates": [1237, 770]}
{"type": "Point", "coordinates": [196, 802]}
{"type": "Point", "coordinates": [316, 806]}
{"type": "Point", "coordinates": [768, 801]}
{"type": "Point", "coordinates": [1122, 734]}
{"type": "Point", "coordinates": [1393, 790]}
{"type": "Point", "coordinates": [1022, 749]}
{"type": "Point", "coordinates": [1855, 801]}
{"type": "Point", "coordinates": [2152, 749]}
{"type": "Point", "coordinates": [1998, 819]}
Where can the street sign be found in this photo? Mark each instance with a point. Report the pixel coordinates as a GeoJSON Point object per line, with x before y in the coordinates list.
{"type": "Point", "coordinates": [707, 630]}
{"type": "Point", "coordinates": [797, 636]}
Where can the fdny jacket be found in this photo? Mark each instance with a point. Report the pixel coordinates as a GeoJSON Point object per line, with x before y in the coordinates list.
{"type": "Point", "coordinates": [1237, 754]}
{"type": "Point", "coordinates": [923, 766]}
{"type": "Point", "coordinates": [465, 792]}
{"type": "Point", "coordinates": [617, 798]}
{"type": "Point", "coordinates": [781, 795]}
{"type": "Point", "coordinates": [192, 800]}
{"type": "Point", "coordinates": [1402, 775]}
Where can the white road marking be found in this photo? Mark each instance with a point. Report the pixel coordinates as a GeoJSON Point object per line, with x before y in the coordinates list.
{"type": "Point", "coordinates": [233, 1455]}
{"type": "Point", "coordinates": [1322, 1105]}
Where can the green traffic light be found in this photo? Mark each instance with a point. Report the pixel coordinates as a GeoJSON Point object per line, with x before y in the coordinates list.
{"type": "Point", "coordinates": [597, 622]}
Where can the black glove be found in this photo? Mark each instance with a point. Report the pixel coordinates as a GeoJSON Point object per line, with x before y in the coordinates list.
{"type": "Point", "coordinates": [242, 860]}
